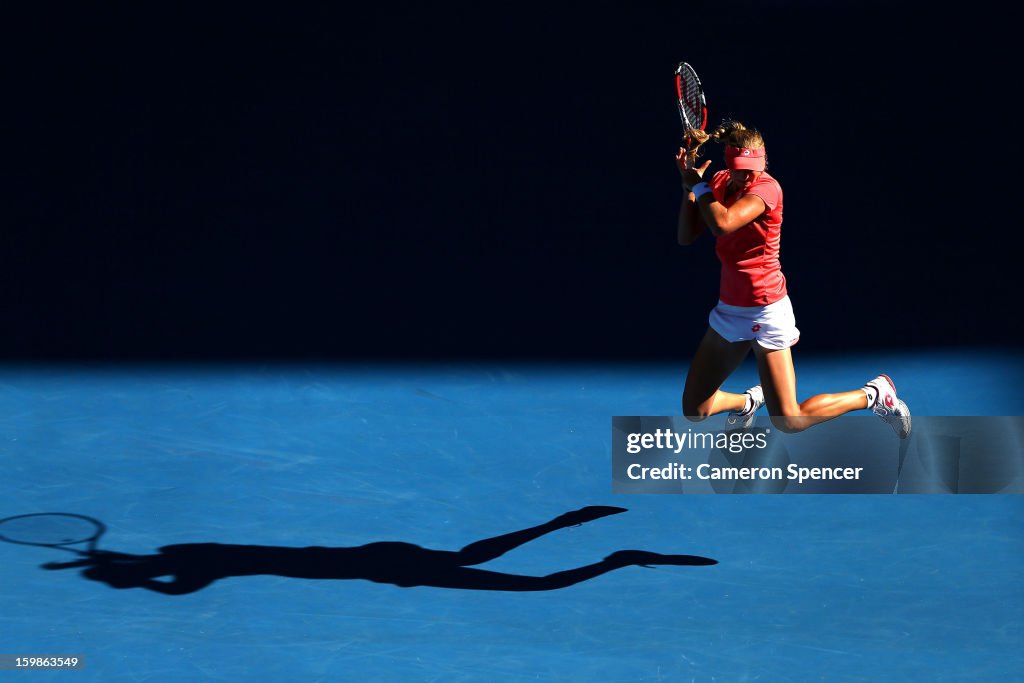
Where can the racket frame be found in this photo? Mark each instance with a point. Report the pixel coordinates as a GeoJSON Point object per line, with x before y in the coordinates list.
{"type": "Point", "coordinates": [685, 69]}
{"type": "Point", "coordinates": [100, 529]}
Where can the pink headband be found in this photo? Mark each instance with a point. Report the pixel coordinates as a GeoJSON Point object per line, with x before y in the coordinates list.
{"type": "Point", "coordinates": [744, 158]}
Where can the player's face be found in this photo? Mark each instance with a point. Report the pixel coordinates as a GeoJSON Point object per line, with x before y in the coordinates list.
{"type": "Point", "coordinates": [742, 179]}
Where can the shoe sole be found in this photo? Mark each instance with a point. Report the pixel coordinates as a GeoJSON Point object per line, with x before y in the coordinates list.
{"type": "Point", "coordinates": [909, 417]}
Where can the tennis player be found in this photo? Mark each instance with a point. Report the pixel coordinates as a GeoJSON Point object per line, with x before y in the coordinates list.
{"type": "Point", "coordinates": [742, 207]}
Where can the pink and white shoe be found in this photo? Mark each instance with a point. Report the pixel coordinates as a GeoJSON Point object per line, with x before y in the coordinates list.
{"type": "Point", "coordinates": [745, 418]}
{"type": "Point", "coordinates": [889, 407]}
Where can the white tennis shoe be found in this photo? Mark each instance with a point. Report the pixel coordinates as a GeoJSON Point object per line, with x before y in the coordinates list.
{"type": "Point", "coordinates": [889, 407]}
{"type": "Point", "coordinates": [742, 419]}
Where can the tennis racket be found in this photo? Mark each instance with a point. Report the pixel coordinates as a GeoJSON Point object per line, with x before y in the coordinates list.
{"type": "Point", "coordinates": [54, 530]}
{"type": "Point", "coordinates": [693, 110]}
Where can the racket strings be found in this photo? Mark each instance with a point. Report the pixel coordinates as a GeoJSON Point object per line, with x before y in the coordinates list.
{"type": "Point", "coordinates": [689, 101]}
{"type": "Point", "coordinates": [692, 110]}
{"type": "Point", "coordinates": [691, 97]}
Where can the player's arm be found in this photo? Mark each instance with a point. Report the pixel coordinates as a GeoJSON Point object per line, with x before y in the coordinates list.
{"type": "Point", "coordinates": [690, 224]}
{"type": "Point", "coordinates": [721, 220]}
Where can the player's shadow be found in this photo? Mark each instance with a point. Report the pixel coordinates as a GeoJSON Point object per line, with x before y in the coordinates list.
{"type": "Point", "coordinates": [187, 568]}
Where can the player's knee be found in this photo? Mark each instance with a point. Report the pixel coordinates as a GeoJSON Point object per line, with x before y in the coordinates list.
{"type": "Point", "coordinates": [790, 424]}
{"type": "Point", "coordinates": [695, 411]}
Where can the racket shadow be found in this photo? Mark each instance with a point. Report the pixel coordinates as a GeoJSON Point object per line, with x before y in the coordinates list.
{"type": "Point", "coordinates": [181, 569]}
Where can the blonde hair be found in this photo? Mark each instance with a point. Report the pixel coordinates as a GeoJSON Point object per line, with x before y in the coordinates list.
{"type": "Point", "coordinates": [729, 133]}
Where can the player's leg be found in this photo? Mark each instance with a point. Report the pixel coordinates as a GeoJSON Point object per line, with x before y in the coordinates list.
{"type": "Point", "coordinates": [491, 548]}
{"type": "Point", "coordinates": [714, 361]}
{"type": "Point", "coordinates": [469, 578]}
{"type": "Point", "coordinates": [778, 381]}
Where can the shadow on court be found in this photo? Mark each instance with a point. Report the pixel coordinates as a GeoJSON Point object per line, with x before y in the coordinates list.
{"type": "Point", "coordinates": [186, 568]}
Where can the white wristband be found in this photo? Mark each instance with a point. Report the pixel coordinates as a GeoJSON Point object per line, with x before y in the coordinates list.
{"type": "Point", "coordinates": [699, 190]}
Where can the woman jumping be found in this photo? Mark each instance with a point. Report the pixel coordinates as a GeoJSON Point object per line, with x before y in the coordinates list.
{"type": "Point", "coordinates": [742, 207]}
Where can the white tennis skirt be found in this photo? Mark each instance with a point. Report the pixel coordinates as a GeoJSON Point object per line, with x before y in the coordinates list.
{"type": "Point", "coordinates": [772, 326]}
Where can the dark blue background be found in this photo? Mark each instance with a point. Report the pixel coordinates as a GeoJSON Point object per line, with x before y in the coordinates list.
{"type": "Point", "coordinates": [462, 182]}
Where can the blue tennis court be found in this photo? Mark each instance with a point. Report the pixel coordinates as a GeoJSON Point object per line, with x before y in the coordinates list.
{"type": "Point", "coordinates": [287, 460]}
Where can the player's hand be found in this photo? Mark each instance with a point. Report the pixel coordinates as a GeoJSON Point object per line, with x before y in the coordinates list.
{"type": "Point", "coordinates": [683, 160]}
{"type": "Point", "coordinates": [694, 175]}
